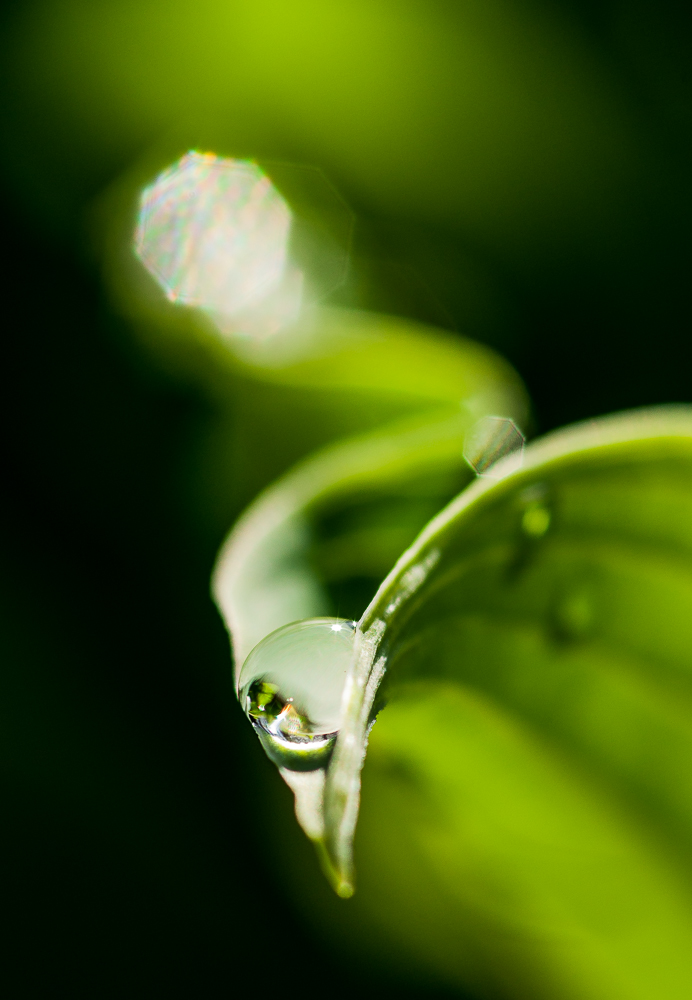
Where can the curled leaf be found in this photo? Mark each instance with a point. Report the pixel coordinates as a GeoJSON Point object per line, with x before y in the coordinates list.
{"type": "Point", "coordinates": [533, 763]}
{"type": "Point", "coordinates": [320, 539]}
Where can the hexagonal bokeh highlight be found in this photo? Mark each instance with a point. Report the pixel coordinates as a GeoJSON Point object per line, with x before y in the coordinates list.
{"type": "Point", "coordinates": [491, 439]}
{"type": "Point", "coordinates": [214, 233]}
{"type": "Point", "coordinates": [218, 234]}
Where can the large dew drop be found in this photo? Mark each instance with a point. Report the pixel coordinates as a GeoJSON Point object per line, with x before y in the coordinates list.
{"type": "Point", "coordinates": [291, 688]}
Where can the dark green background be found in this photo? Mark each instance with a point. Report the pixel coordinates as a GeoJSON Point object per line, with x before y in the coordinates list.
{"type": "Point", "coordinates": [133, 856]}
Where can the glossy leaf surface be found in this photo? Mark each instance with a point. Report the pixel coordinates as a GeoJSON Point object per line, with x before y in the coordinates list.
{"type": "Point", "coordinates": [529, 781]}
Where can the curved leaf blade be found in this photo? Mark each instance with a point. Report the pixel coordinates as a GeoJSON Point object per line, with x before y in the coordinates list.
{"type": "Point", "coordinates": [535, 647]}
{"type": "Point", "coordinates": [330, 527]}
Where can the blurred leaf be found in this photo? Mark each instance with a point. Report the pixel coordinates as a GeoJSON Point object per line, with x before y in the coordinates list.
{"type": "Point", "coordinates": [504, 121]}
{"type": "Point", "coordinates": [322, 523]}
{"type": "Point", "coordinates": [335, 374]}
{"type": "Point", "coordinates": [529, 782]}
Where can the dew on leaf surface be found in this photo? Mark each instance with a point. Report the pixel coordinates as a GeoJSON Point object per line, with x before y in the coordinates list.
{"type": "Point", "coordinates": [536, 520]}
{"type": "Point", "coordinates": [574, 612]}
{"type": "Point", "coordinates": [291, 687]}
{"type": "Point", "coordinates": [537, 514]}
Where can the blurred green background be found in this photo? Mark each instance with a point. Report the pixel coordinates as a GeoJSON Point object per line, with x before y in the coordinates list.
{"type": "Point", "coordinates": [518, 173]}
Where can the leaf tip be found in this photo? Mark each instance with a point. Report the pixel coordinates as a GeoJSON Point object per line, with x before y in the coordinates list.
{"type": "Point", "coordinates": [344, 890]}
{"type": "Point", "coordinates": [339, 880]}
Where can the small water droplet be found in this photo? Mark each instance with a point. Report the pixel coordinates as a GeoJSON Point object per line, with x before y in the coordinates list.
{"type": "Point", "coordinates": [536, 516]}
{"type": "Point", "coordinates": [491, 439]}
{"type": "Point", "coordinates": [291, 688]}
{"type": "Point", "coordinates": [535, 520]}
{"type": "Point", "coordinates": [574, 613]}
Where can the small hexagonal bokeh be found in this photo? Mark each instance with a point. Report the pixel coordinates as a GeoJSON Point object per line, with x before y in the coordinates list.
{"type": "Point", "coordinates": [491, 439]}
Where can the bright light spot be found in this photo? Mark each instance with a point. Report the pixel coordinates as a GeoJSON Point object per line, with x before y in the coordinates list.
{"type": "Point", "coordinates": [492, 439]}
{"type": "Point", "coordinates": [214, 233]}
{"type": "Point", "coordinates": [336, 628]}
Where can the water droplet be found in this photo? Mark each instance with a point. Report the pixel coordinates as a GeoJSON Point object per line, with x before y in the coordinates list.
{"type": "Point", "coordinates": [536, 516]}
{"type": "Point", "coordinates": [574, 613]}
{"type": "Point", "coordinates": [491, 439]}
{"type": "Point", "coordinates": [535, 520]}
{"type": "Point", "coordinates": [291, 687]}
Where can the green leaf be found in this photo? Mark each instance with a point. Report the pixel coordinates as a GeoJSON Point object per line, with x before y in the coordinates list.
{"type": "Point", "coordinates": [531, 774]}
{"type": "Point", "coordinates": [335, 374]}
{"type": "Point", "coordinates": [349, 509]}
{"type": "Point", "coordinates": [320, 539]}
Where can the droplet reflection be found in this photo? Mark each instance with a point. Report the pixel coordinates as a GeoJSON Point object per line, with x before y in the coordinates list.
{"type": "Point", "coordinates": [291, 688]}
